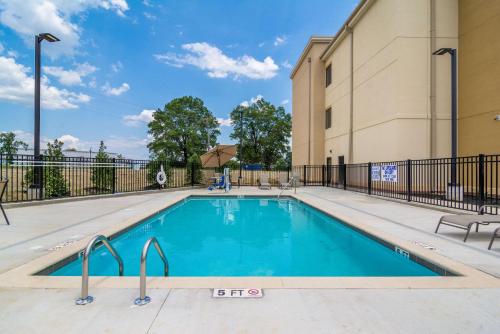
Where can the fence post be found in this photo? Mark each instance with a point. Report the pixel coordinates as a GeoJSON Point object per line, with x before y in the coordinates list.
{"type": "Point", "coordinates": [40, 166]}
{"type": "Point", "coordinates": [408, 180]}
{"type": "Point", "coordinates": [113, 187]}
{"type": "Point", "coordinates": [369, 178]}
{"type": "Point", "coordinates": [481, 180]}
{"type": "Point", "coordinates": [344, 169]}
{"type": "Point", "coordinates": [305, 175]}
{"type": "Point", "coordinates": [192, 174]}
{"type": "Point", "coordinates": [288, 174]}
{"type": "Point", "coordinates": [323, 176]}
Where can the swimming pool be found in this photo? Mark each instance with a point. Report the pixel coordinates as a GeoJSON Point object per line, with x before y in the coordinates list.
{"type": "Point", "coordinates": [229, 236]}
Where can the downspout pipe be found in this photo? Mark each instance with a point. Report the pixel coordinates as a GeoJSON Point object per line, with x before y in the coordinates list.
{"type": "Point", "coordinates": [309, 118]}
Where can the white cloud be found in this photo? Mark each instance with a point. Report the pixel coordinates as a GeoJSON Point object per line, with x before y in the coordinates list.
{"type": "Point", "coordinates": [115, 91]}
{"type": "Point", "coordinates": [262, 44]}
{"type": "Point", "coordinates": [1, 48]}
{"type": "Point", "coordinates": [286, 64]}
{"type": "Point", "coordinates": [12, 54]}
{"type": "Point", "coordinates": [16, 85]}
{"type": "Point", "coordinates": [131, 147]}
{"type": "Point", "coordinates": [149, 16]}
{"type": "Point", "coordinates": [253, 100]}
{"type": "Point", "coordinates": [218, 65]}
{"type": "Point", "coordinates": [279, 40]}
{"type": "Point", "coordinates": [30, 17]}
{"type": "Point", "coordinates": [284, 102]}
{"type": "Point", "coordinates": [70, 142]}
{"type": "Point", "coordinates": [224, 121]}
{"type": "Point", "coordinates": [144, 116]}
{"type": "Point", "coordinates": [117, 67]}
{"type": "Point", "coordinates": [70, 77]}
{"type": "Point", "coordinates": [147, 3]}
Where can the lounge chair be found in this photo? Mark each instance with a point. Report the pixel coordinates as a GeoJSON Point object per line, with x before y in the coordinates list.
{"type": "Point", "coordinates": [465, 222]}
{"type": "Point", "coordinates": [3, 187]}
{"type": "Point", "coordinates": [264, 182]}
{"type": "Point", "coordinates": [285, 183]}
{"type": "Point", "coordinates": [496, 234]}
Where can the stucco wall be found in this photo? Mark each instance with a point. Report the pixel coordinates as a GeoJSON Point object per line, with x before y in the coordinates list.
{"type": "Point", "coordinates": [391, 60]}
{"type": "Point", "coordinates": [300, 109]}
{"type": "Point", "coordinates": [479, 77]}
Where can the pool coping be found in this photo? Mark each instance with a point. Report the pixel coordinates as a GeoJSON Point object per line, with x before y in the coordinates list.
{"type": "Point", "coordinates": [25, 276]}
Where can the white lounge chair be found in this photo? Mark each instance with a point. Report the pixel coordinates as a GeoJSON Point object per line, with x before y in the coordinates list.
{"type": "Point", "coordinates": [465, 222]}
{"type": "Point", "coordinates": [285, 183]}
{"type": "Point", "coordinates": [264, 182]}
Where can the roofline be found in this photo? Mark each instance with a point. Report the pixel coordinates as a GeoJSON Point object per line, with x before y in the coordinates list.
{"type": "Point", "coordinates": [312, 40]}
{"type": "Point", "coordinates": [348, 25]}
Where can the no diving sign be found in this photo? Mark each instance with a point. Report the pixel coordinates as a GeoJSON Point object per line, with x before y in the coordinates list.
{"type": "Point", "coordinates": [237, 293]}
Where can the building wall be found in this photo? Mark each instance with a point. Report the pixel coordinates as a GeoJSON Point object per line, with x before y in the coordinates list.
{"type": "Point", "coordinates": [300, 109]}
{"type": "Point", "coordinates": [392, 83]}
{"type": "Point", "coordinates": [479, 77]}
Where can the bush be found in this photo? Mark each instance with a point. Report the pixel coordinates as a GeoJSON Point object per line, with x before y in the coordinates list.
{"type": "Point", "coordinates": [54, 183]}
{"type": "Point", "coordinates": [102, 176]}
{"type": "Point", "coordinates": [194, 166]}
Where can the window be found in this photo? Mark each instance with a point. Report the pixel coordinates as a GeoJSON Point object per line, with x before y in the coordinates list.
{"type": "Point", "coordinates": [328, 118]}
{"type": "Point", "coordinates": [328, 75]}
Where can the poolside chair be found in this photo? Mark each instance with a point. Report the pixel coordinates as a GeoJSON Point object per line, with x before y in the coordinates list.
{"type": "Point", "coordinates": [496, 234]}
{"type": "Point", "coordinates": [3, 187]}
{"type": "Point", "coordinates": [264, 182]}
{"type": "Point", "coordinates": [465, 222]}
{"type": "Point", "coordinates": [285, 183]}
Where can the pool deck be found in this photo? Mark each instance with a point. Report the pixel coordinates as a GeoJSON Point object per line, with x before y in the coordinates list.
{"type": "Point", "coordinates": [48, 231]}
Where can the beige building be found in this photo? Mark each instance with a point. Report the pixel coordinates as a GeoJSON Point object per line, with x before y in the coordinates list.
{"type": "Point", "coordinates": [375, 92]}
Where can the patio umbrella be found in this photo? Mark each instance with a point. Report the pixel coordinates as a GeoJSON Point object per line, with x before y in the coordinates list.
{"type": "Point", "coordinates": [218, 156]}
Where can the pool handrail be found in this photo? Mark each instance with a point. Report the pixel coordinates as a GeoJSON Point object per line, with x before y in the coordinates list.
{"type": "Point", "coordinates": [85, 298]}
{"type": "Point", "coordinates": [143, 299]}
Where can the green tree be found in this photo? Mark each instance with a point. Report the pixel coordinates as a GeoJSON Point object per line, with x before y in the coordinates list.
{"type": "Point", "coordinates": [54, 183]}
{"type": "Point", "coordinates": [102, 175]}
{"type": "Point", "coordinates": [184, 127]}
{"type": "Point", "coordinates": [194, 166]}
{"type": "Point", "coordinates": [266, 132]}
{"type": "Point", "coordinates": [9, 145]}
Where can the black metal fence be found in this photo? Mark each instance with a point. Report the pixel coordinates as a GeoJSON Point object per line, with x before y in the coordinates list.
{"type": "Point", "coordinates": [463, 183]}
{"type": "Point", "coordinates": [46, 178]}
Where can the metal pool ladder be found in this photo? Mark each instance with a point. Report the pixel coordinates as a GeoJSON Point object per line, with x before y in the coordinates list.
{"type": "Point", "coordinates": [291, 182]}
{"type": "Point", "coordinates": [85, 298]}
{"type": "Point", "coordinates": [143, 299]}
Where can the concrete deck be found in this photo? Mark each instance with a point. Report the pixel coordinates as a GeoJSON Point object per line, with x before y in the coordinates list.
{"type": "Point", "coordinates": [36, 230]}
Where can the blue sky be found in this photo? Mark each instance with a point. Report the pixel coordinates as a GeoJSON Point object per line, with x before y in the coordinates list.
{"type": "Point", "coordinates": [120, 59]}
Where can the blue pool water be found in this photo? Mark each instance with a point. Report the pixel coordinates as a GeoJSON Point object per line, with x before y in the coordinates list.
{"type": "Point", "coordinates": [249, 237]}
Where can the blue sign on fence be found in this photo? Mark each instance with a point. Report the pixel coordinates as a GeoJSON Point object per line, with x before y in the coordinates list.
{"type": "Point", "coordinates": [375, 173]}
{"type": "Point", "coordinates": [390, 173]}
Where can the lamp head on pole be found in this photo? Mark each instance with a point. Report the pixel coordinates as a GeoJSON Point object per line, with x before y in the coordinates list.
{"type": "Point", "coordinates": [444, 51]}
{"type": "Point", "coordinates": [48, 37]}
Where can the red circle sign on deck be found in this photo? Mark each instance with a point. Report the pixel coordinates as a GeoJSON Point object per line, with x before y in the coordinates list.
{"type": "Point", "coordinates": [253, 291]}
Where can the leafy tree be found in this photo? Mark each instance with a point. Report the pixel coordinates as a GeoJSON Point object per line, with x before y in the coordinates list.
{"type": "Point", "coordinates": [194, 166]}
{"type": "Point", "coordinates": [184, 127]}
{"type": "Point", "coordinates": [266, 132]}
{"type": "Point", "coordinates": [9, 145]}
{"type": "Point", "coordinates": [102, 176]}
{"type": "Point", "coordinates": [54, 183]}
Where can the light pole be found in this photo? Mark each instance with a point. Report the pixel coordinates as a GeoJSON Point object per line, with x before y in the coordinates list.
{"type": "Point", "coordinates": [453, 54]}
{"type": "Point", "coordinates": [38, 41]}
{"type": "Point", "coordinates": [241, 144]}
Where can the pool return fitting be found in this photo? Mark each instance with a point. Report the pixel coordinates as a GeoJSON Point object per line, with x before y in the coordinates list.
{"type": "Point", "coordinates": [85, 298]}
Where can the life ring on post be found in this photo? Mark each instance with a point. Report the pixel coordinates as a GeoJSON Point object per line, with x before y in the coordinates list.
{"type": "Point", "coordinates": [161, 177]}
